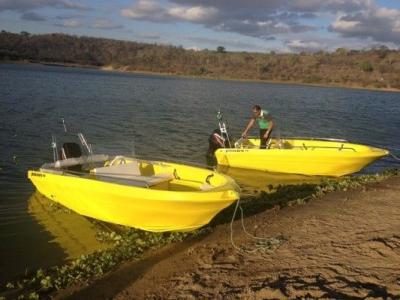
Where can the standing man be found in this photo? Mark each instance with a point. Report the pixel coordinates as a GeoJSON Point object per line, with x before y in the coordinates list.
{"type": "Point", "coordinates": [265, 122]}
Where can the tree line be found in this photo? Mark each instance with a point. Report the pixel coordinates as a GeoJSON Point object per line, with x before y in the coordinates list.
{"type": "Point", "coordinates": [378, 67]}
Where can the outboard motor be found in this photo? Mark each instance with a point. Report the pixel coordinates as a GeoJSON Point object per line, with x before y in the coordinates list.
{"type": "Point", "coordinates": [70, 150]}
{"type": "Point", "coordinates": [219, 138]}
{"type": "Point", "coordinates": [215, 141]}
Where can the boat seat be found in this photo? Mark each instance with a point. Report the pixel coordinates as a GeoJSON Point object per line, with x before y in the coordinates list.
{"type": "Point", "coordinates": [130, 174]}
{"type": "Point", "coordinates": [206, 187]}
{"type": "Point", "coordinates": [121, 170]}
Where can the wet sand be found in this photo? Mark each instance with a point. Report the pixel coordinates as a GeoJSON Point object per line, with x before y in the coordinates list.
{"type": "Point", "coordinates": [344, 245]}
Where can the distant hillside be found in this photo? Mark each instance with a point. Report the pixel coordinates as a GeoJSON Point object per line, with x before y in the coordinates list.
{"type": "Point", "coordinates": [375, 68]}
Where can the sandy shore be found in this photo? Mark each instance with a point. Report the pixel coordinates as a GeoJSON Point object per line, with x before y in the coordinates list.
{"type": "Point", "coordinates": [286, 82]}
{"type": "Point", "coordinates": [344, 245]}
{"type": "Point", "coordinates": [126, 70]}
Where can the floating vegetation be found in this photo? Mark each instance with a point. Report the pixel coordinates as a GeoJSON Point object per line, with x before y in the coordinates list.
{"type": "Point", "coordinates": [54, 207]}
{"type": "Point", "coordinates": [352, 182]}
{"type": "Point", "coordinates": [290, 195]}
{"type": "Point", "coordinates": [128, 243]}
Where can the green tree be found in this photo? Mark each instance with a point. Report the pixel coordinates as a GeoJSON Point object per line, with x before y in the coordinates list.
{"type": "Point", "coordinates": [366, 66]}
{"type": "Point", "coordinates": [221, 49]}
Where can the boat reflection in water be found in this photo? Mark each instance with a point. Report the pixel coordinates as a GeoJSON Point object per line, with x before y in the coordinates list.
{"type": "Point", "coordinates": [254, 180]}
{"type": "Point", "coordinates": [73, 233]}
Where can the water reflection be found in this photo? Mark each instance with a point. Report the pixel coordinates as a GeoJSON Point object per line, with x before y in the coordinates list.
{"type": "Point", "coordinates": [253, 181]}
{"type": "Point", "coordinates": [73, 233]}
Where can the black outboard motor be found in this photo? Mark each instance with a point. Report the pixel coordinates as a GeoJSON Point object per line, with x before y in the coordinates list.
{"type": "Point", "coordinates": [219, 137]}
{"type": "Point", "coordinates": [215, 141]}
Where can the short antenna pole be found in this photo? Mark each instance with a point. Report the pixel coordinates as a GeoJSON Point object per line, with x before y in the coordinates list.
{"type": "Point", "coordinates": [63, 123]}
{"type": "Point", "coordinates": [54, 147]}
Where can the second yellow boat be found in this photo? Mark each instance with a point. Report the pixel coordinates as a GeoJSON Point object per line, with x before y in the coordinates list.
{"type": "Point", "coordinates": [316, 157]}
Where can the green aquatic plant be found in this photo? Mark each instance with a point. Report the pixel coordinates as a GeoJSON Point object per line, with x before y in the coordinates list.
{"type": "Point", "coordinates": [33, 296]}
{"type": "Point", "coordinates": [127, 244]}
{"type": "Point", "coordinates": [290, 195]}
{"type": "Point", "coordinates": [54, 207]}
{"type": "Point", "coordinates": [10, 285]}
{"type": "Point", "coordinates": [351, 182]}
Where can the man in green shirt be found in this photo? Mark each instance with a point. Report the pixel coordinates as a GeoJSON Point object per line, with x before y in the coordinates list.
{"type": "Point", "coordinates": [265, 123]}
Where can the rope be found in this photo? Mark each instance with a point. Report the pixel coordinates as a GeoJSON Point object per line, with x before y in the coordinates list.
{"type": "Point", "coordinates": [264, 244]}
{"type": "Point", "coordinates": [394, 156]}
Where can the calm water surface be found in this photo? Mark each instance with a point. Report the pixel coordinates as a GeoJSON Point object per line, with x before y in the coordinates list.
{"type": "Point", "coordinates": [151, 116]}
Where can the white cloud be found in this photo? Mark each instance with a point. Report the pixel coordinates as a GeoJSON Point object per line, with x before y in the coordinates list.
{"type": "Point", "coordinates": [152, 11]}
{"type": "Point", "coordinates": [193, 14]}
{"type": "Point", "coordinates": [293, 24]}
{"type": "Point", "coordinates": [72, 5]}
{"type": "Point", "coordinates": [343, 25]}
{"type": "Point", "coordinates": [380, 24]}
{"type": "Point", "coordinates": [301, 45]}
{"type": "Point", "coordinates": [328, 5]}
{"type": "Point", "coordinates": [70, 23]}
{"type": "Point", "coordinates": [26, 5]}
{"type": "Point", "coordinates": [357, 19]}
{"type": "Point", "coordinates": [255, 18]}
{"type": "Point", "coordinates": [145, 9]}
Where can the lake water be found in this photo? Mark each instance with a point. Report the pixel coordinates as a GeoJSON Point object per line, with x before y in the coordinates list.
{"type": "Point", "coordinates": [151, 116]}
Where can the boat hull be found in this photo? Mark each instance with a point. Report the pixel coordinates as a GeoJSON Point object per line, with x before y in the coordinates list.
{"type": "Point", "coordinates": [144, 208]}
{"type": "Point", "coordinates": [306, 157]}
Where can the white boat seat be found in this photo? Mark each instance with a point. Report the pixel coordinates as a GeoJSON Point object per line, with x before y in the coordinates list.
{"type": "Point", "coordinates": [130, 174]}
{"type": "Point", "coordinates": [206, 187]}
{"type": "Point", "coordinates": [121, 170]}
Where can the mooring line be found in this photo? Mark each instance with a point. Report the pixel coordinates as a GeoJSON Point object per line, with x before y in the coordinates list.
{"type": "Point", "coordinates": [394, 156]}
{"type": "Point", "coordinates": [264, 243]}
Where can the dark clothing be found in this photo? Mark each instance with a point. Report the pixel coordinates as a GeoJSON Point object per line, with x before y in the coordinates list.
{"type": "Point", "coordinates": [214, 142]}
{"type": "Point", "coordinates": [263, 141]}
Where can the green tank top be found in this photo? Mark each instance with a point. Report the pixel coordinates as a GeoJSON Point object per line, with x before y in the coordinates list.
{"type": "Point", "coordinates": [262, 120]}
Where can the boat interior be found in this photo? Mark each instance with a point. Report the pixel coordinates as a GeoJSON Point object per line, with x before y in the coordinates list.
{"type": "Point", "coordinates": [302, 144]}
{"type": "Point", "coordinates": [73, 161]}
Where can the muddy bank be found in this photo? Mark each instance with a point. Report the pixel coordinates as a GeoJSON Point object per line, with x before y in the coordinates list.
{"type": "Point", "coordinates": [343, 245]}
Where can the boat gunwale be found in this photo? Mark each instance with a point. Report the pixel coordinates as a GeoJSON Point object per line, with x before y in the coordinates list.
{"type": "Point", "coordinates": [365, 151]}
{"type": "Point", "coordinates": [228, 186]}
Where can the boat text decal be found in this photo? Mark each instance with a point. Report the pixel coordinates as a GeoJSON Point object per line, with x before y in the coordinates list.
{"type": "Point", "coordinates": [38, 174]}
{"type": "Point", "coordinates": [237, 150]}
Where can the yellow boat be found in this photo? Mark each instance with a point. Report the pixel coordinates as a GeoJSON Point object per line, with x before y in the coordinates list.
{"type": "Point", "coordinates": [315, 157]}
{"type": "Point", "coordinates": [255, 180]}
{"type": "Point", "coordinates": [149, 195]}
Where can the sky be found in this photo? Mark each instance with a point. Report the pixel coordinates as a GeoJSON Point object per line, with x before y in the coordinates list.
{"type": "Point", "coordinates": [237, 25]}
